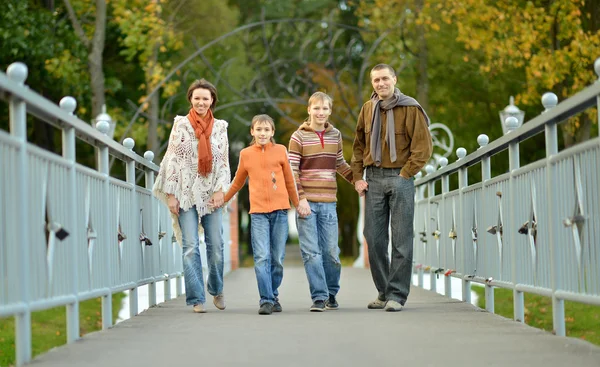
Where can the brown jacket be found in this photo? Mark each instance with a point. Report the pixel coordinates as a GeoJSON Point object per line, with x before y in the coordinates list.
{"type": "Point", "coordinates": [413, 141]}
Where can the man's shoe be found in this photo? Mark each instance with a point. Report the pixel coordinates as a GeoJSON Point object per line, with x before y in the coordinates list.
{"type": "Point", "coordinates": [318, 306]}
{"type": "Point", "coordinates": [277, 307]}
{"type": "Point", "coordinates": [199, 308]}
{"type": "Point", "coordinates": [376, 305]}
{"type": "Point", "coordinates": [393, 306]}
{"type": "Point", "coordinates": [331, 303]}
{"type": "Point", "coordinates": [219, 301]}
{"type": "Point", "coordinates": [265, 309]}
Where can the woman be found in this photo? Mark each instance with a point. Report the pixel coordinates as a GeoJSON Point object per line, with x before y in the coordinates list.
{"type": "Point", "coordinates": [193, 176]}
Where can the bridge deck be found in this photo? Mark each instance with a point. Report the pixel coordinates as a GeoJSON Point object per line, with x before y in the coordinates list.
{"type": "Point", "coordinates": [431, 331]}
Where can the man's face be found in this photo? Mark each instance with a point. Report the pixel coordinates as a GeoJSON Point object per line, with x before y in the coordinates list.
{"type": "Point", "coordinates": [383, 82]}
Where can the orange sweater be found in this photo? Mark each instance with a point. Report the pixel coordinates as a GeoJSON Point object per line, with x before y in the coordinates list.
{"type": "Point", "coordinates": [271, 182]}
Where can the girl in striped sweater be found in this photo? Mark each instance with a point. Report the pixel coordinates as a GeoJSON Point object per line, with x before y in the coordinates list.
{"type": "Point", "coordinates": [316, 156]}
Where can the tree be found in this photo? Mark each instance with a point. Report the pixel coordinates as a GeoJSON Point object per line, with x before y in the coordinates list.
{"type": "Point", "coordinates": [554, 42]}
{"type": "Point", "coordinates": [94, 45]}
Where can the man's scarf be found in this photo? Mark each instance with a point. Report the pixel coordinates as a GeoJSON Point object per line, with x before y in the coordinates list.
{"type": "Point", "coordinates": [203, 128]}
{"type": "Point", "coordinates": [398, 99]}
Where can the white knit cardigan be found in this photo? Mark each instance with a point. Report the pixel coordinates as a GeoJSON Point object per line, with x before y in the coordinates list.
{"type": "Point", "coordinates": [178, 173]}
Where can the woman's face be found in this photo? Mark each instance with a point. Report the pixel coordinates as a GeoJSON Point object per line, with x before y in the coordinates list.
{"type": "Point", "coordinates": [319, 112]}
{"type": "Point", "coordinates": [201, 101]}
{"type": "Point", "coordinates": [262, 132]}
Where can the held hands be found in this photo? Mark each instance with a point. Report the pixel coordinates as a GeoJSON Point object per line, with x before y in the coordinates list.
{"type": "Point", "coordinates": [361, 187]}
{"type": "Point", "coordinates": [173, 204]}
{"type": "Point", "coordinates": [216, 201]}
{"type": "Point", "coordinates": [303, 208]}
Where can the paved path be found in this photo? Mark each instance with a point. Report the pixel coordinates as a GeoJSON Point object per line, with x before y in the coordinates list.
{"type": "Point", "coordinates": [431, 331]}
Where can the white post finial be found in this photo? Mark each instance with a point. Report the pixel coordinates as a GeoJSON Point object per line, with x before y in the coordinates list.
{"type": "Point", "coordinates": [68, 104]}
{"type": "Point", "coordinates": [549, 100]}
{"type": "Point", "coordinates": [17, 72]}
{"type": "Point", "coordinates": [129, 143]}
{"type": "Point", "coordinates": [442, 162]}
{"type": "Point", "coordinates": [461, 153]}
{"type": "Point", "coordinates": [149, 155]}
{"type": "Point", "coordinates": [482, 140]}
{"type": "Point", "coordinates": [597, 67]}
{"type": "Point", "coordinates": [511, 123]}
{"type": "Point", "coordinates": [429, 169]}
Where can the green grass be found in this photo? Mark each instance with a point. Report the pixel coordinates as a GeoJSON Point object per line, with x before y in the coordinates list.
{"type": "Point", "coordinates": [49, 327]}
{"type": "Point", "coordinates": [582, 321]}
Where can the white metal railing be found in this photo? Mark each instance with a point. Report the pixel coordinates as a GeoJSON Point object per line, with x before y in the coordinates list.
{"type": "Point", "coordinates": [69, 233]}
{"type": "Point", "coordinates": [534, 229]}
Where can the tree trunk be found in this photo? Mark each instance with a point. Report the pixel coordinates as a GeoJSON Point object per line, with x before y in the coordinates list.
{"type": "Point", "coordinates": [422, 56]}
{"type": "Point", "coordinates": [95, 59]}
{"type": "Point", "coordinates": [153, 104]}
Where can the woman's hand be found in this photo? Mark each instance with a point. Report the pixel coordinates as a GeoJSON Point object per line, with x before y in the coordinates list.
{"type": "Point", "coordinates": [216, 201]}
{"type": "Point", "coordinates": [303, 208]}
{"type": "Point", "coordinates": [173, 204]}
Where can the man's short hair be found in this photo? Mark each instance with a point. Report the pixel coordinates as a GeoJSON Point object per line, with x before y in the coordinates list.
{"type": "Point", "coordinates": [384, 66]}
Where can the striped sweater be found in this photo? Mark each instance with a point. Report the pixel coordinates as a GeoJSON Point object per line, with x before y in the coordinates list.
{"type": "Point", "coordinates": [315, 163]}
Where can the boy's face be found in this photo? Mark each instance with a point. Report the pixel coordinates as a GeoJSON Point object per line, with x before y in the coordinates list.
{"type": "Point", "coordinates": [319, 112]}
{"type": "Point", "coordinates": [262, 132]}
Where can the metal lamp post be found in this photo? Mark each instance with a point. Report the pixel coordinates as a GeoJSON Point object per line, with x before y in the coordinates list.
{"type": "Point", "coordinates": [511, 111]}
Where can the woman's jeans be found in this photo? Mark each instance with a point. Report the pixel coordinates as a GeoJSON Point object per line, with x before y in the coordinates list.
{"type": "Point", "coordinates": [269, 233]}
{"type": "Point", "coordinates": [318, 234]}
{"type": "Point", "coordinates": [192, 265]}
{"type": "Point", "coordinates": [390, 202]}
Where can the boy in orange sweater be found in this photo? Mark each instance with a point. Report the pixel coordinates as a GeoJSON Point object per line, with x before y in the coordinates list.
{"type": "Point", "coordinates": [271, 185]}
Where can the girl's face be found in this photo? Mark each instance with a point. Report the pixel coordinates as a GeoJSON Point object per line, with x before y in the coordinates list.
{"type": "Point", "coordinates": [262, 132]}
{"type": "Point", "coordinates": [319, 112]}
{"type": "Point", "coordinates": [201, 101]}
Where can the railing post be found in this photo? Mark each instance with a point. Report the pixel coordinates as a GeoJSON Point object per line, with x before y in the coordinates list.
{"type": "Point", "coordinates": [514, 163]}
{"type": "Point", "coordinates": [149, 179]}
{"type": "Point", "coordinates": [130, 178]}
{"type": "Point", "coordinates": [550, 100]}
{"type": "Point", "coordinates": [486, 174]}
{"type": "Point", "coordinates": [443, 162]}
{"type": "Point", "coordinates": [68, 104]}
{"type": "Point", "coordinates": [463, 181]}
{"type": "Point", "coordinates": [17, 72]}
{"type": "Point", "coordinates": [430, 193]}
{"type": "Point", "coordinates": [104, 168]}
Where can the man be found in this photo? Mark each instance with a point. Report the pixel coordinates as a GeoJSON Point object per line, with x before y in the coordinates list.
{"type": "Point", "coordinates": [391, 145]}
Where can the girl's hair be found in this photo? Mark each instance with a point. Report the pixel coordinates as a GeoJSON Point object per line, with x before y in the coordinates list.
{"type": "Point", "coordinates": [319, 96]}
{"type": "Point", "coordinates": [203, 84]}
{"type": "Point", "coordinates": [262, 118]}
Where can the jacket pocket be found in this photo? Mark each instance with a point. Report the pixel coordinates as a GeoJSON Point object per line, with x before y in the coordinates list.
{"type": "Point", "coordinates": [402, 140]}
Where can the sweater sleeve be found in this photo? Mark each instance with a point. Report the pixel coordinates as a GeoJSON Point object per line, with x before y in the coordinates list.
{"type": "Point", "coordinates": [238, 180]}
{"type": "Point", "coordinates": [171, 176]}
{"type": "Point", "coordinates": [342, 167]}
{"type": "Point", "coordinates": [295, 157]}
{"type": "Point", "coordinates": [288, 176]}
{"type": "Point", "coordinates": [421, 145]}
{"type": "Point", "coordinates": [223, 172]}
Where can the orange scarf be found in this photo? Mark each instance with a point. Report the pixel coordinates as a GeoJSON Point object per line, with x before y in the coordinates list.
{"type": "Point", "coordinates": [203, 128]}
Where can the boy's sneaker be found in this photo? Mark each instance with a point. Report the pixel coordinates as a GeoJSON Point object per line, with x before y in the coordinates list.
{"type": "Point", "coordinates": [265, 309]}
{"type": "Point", "coordinates": [331, 303]}
{"type": "Point", "coordinates": [199, 308]}
{"type": "Point", "coordinates": [318, 306]}
{"type": "Point", "coordinates": [277, 307]}
{"type": "Point", "coordinates": [376, 305]}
